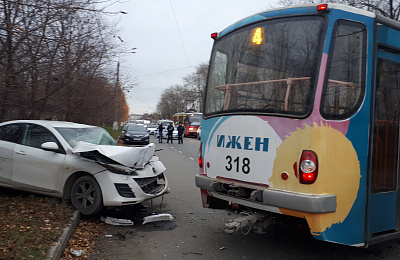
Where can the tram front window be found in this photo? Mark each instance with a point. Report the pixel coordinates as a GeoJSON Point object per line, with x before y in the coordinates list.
{"type": "Point", "coordinates": [269, 67]}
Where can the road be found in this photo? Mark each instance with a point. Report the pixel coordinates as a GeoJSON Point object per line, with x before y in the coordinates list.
{"type": "Point", "coordinates": [197, 233]}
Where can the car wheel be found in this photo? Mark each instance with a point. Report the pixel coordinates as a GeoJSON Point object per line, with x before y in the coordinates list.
{"type": "Point", "coordinates": [86, 195]}
{"type": "Point", "coordinates": [155, 135]}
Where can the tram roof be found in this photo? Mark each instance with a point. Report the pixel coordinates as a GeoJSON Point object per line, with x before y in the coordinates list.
{"type": "Point", "coordinates": [303, 9]}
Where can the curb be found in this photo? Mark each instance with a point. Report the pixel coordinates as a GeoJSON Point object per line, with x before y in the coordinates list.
{"type": "Point", "coordinates": [57, 249]}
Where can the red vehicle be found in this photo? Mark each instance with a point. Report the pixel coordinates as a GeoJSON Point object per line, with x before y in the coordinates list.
{"type": "Point", "coordinates": [191, 121]}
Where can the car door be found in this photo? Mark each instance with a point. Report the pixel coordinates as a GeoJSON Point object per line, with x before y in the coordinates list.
{"type": "Point", "coordinates": [10, 135]}
{"type": "Point", "coordinates": [35, 168]}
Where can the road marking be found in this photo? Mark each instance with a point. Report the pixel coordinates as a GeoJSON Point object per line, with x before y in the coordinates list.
{"type": "Point", "coordinates": [191, 158]}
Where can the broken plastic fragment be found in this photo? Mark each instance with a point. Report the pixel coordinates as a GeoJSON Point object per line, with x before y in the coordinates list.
{"type": "Point", "coordinates": [76, 252]}
{"type": "Point", "coordinates": [159, 217]}
{"type": "Point", "coordinates": [117, 221]}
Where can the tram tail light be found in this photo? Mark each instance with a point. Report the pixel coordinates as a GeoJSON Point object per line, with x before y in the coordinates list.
{"type": "Point", "coordinates": [200, 156]}
{"type": "Point", "coordinates": [322, 8]}
{"type": "Point", "coordinates": [308, 167]}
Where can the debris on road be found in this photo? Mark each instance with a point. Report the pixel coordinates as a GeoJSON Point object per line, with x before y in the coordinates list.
{"type": "Point", "coordinates": [76, 252]}
{"type": "Point", "coordinates": [158, 217]}
{"type": "Point", "coordinates": [117, 221]}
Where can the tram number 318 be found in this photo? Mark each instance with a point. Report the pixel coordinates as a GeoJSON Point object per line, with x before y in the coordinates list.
{"type": "Point", "coordinates": [237, 164]}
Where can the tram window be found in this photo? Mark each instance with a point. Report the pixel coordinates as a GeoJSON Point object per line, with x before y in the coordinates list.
{"type": "Point", "coordinates": [215, 99]}
{"type": "Point", "coordinates": [344, 88]}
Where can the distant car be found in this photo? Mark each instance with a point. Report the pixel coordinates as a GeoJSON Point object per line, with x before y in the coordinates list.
{"type": "Point", "coordinates": [198, 133]}
{"type": "Point", "coordinates": [77, 162]}
{"type": "Point", "coordinates": [151, 128]}
{"type": "Point", "coordinates": [134, 133]}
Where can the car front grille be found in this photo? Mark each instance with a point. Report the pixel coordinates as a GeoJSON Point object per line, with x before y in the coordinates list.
{"type": "Point", "coordinates": [151, 185]}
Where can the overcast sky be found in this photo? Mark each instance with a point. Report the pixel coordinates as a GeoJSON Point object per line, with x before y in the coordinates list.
{"type": "Point", "coordinates": [172, 37]}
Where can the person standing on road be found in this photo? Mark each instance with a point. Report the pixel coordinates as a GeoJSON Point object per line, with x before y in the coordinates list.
{"type": "Point", "coordinates": [180, 129]}
{"type": "Point", "coordinates": [170, 129]}
{"type": "Point", "coordinates": [160, 132]}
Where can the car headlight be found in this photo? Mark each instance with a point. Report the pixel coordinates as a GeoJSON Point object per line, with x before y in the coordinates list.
{"type": "Point", "coordinates": [128, 134]}
{"type": "Point", "coordinates": [146, 135]}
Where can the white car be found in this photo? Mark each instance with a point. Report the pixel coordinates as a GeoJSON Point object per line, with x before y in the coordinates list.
{"type": "Point", "coordinates": [165, 132]}
{"type": "Point", "coordinates": [77, 162]}
{"type": "Point", "coordinates": [151, 128]}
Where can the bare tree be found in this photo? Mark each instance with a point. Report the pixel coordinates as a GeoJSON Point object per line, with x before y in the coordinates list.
{"type": "Point", "coordinates": [195, 84]}
{"type": "Point", "coordinates": [54, 60]}
{"type": "Point", "coordinates": [172, 101]}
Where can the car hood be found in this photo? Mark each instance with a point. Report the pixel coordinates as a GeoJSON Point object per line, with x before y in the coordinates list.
{"type": "Point", "coordinates": [135, 157]}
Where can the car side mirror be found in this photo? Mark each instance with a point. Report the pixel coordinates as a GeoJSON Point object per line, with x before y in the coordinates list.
{"type": "Point", "coordinates": [50, 146]}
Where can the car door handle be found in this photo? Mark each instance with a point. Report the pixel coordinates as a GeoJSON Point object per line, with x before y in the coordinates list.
{"type": "Point", "coordinates": [20, 152]}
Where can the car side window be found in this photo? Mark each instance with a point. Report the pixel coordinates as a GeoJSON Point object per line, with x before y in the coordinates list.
{"type": "Point", "coordinates": [36, 135]}
{"type": "Point", "coordinates": [11, 133]}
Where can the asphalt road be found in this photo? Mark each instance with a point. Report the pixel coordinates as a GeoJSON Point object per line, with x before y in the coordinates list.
{"type": "Point", "coordinates": [197, 233]}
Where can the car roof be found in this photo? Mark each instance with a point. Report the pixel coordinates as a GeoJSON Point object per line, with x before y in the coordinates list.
{"type": "Point", "coordinates": [51, 123]}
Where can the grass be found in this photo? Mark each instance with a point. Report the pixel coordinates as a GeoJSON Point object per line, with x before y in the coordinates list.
{"type": "Point", "coordinates": [30, 224]}
{"type": "Point", "coordinates": [113, 133]}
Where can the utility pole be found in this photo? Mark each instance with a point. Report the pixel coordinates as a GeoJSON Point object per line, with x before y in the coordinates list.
{"type": "Point", "coordinates": [116, 108]}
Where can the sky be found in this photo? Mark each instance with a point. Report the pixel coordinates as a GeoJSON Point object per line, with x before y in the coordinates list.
{"type": "Point", "coordinates": [171, 37]}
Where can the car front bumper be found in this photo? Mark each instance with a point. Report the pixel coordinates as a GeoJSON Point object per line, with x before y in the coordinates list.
{"type": "Point", "coordinates": [119, 189]}
{"type": "Point", "coordinates": [133, 139]}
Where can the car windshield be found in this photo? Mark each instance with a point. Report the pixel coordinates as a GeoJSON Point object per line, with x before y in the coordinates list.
{"type": "Point", "coordinates": [195, 120]}
{"type": "Point", "coordinates": [93, 135]}
{"type": "Point", "coordinates": [136, 128]}
{"type": "Point", "coordinates": [166, 123]}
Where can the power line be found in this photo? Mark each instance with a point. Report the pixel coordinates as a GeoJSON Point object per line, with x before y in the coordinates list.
{"type": "Point", "coordinates": [180, 36]}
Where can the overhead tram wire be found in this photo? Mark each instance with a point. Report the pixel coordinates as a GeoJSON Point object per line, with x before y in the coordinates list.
{"type": "Point", "coordinates": [180, 35]}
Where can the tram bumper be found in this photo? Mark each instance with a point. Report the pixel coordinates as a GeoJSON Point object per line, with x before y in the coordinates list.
{"type": "Point", "coordinates": [264, 198]}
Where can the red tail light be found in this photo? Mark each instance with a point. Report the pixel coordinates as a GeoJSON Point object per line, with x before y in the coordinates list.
{"type": "Point", "coordinates": [200, 156]}
{"type": "Point", "coordinates": [308, 167]}
{"type": "Point", "coordinates": [322, 8]}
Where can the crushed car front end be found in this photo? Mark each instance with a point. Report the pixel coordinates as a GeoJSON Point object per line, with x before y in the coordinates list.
{"type": "Point", "coordinates": [134, 187]}
{"type": "Point", "coordinates": [135, 173]}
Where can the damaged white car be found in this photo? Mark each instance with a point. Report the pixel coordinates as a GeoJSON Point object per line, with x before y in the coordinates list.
{"type": "Point", "coordinates": [77, 162]}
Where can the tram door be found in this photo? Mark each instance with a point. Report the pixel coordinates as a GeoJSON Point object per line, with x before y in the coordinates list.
{"type": "Point", "coordinates": [385, 158]}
